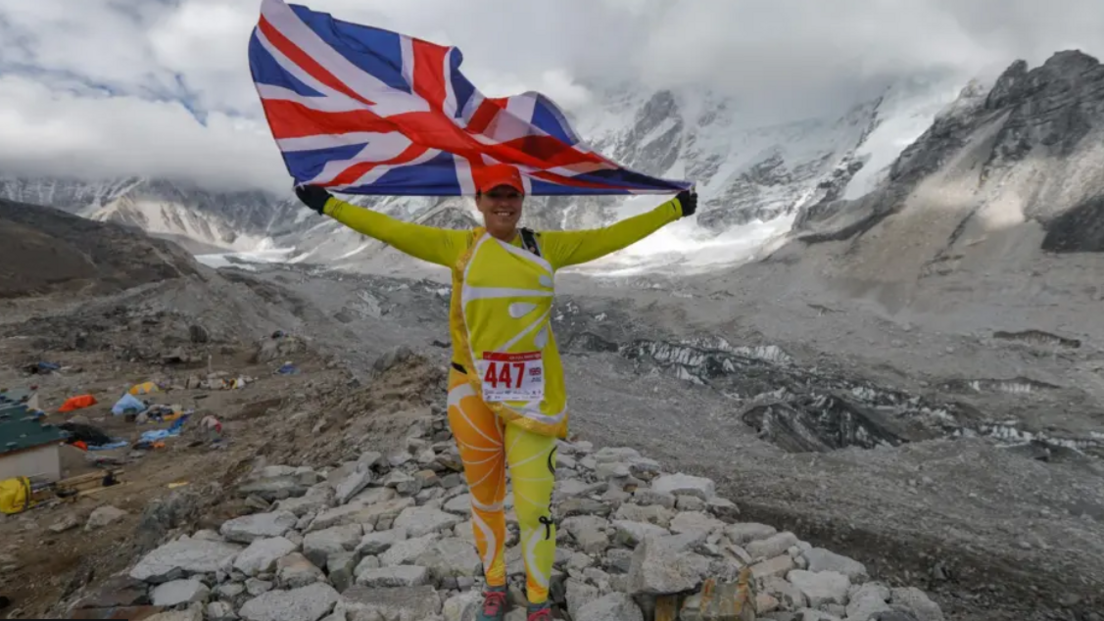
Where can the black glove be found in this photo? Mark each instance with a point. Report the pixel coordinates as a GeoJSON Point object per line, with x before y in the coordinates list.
{"type": "Point", "coordinates": [689, 201]}
{"type": "Point", "coordinates": [313, 196]}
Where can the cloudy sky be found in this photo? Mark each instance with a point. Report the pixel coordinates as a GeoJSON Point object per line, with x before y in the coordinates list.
{"type": "Point", "coordinates": [155, 87]}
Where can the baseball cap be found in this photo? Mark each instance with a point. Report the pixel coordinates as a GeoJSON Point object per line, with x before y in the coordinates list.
{"type": "Point", "coordinates": [490, 177]}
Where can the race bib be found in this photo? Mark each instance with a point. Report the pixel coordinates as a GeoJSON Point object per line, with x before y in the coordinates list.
{"type": "Point", "coordinates": [512, 377]}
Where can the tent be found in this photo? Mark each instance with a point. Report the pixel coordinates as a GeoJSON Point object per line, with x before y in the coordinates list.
{"type": "Point", "coordinates": [144, 388]}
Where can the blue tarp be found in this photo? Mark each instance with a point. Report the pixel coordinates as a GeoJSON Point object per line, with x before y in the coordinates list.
{"type": "Point", "coordinates": [129, 403]}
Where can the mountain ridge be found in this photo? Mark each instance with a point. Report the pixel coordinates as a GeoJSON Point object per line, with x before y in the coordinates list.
{"type": "Point", "coordinates": [745, 174]}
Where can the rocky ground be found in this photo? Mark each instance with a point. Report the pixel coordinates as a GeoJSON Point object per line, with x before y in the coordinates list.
{"type": "Point", "coordinates": [306, 509]}
{"type": "Point", "coordinates": [831, 426]}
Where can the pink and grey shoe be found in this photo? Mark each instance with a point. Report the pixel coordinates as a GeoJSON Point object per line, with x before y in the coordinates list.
{"type": "Point", "coordinates": [540, 612]}
{"type": "Point", "coordinates": [494, 605]}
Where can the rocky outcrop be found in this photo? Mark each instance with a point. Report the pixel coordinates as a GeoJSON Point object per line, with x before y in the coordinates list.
{"type": "Point", "coordinates": [633, 543]}
{"type": "Point", "coordinates": [1027, 150]}
{"type": "Point", "coordinates": [46, 250]}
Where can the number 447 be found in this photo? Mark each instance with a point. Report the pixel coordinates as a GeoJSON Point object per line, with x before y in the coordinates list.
{"type": "Point", "coordinates": [500, 373]}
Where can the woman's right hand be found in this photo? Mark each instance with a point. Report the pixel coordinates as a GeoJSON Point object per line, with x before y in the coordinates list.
{"type": "Point", "coordinates": [313, 196]}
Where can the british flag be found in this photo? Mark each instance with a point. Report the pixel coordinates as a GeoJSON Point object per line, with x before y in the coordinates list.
{"type": "Point", "coordinates": [364, 110]}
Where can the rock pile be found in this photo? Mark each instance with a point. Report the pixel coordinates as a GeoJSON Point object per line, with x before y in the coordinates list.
{"type": "Point", "coordinates": [389, 538]}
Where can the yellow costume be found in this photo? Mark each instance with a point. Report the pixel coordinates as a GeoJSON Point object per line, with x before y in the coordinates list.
{"type": "Point", "coordinates": [507, 401]}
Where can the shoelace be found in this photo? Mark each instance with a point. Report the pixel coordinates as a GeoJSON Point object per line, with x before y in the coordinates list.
{"type": "Point", "coordinates": [544, 614]}
{"type": "Point", "coordinates": [493, 601]}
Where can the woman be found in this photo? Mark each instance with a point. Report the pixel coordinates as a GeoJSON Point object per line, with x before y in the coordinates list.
{"type": "Point", "coordinates": [506, 403]}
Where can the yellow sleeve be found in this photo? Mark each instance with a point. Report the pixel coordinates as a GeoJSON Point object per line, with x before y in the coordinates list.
{"type": "Point", "coordinates": [564, 248]}
{"type": "Point", "coordinates": [436, 245]}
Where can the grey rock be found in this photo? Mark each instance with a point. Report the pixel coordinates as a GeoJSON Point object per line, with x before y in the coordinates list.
{"type": "Point", "coordinates": [662, 565]}
{"type": "Point", "coordinates": [261, 555]}
{"type": "Point", "coordinates": [450, 481]}
{"type": "Point", "coordinates": [789, 597]}
{"type": "Point", "coordinates": [723, 508]}
{"type": "Point", "coordinates": [619, 560]}
{"type": "Point", "coordinates": [256, 586]}
{"type": "Point", "coordinates": [462, 606]}
{"type": "Point", "coordinates": [274, 488]}
{"type": "Point", "coordinates": [308, 603]}
{"type": "Point", "coordinates": [612, 470]}
{"type": "Point", "coordinates": [316, 499]}
{"type": "Point", "coordinates": [610, 454]}
{"type": "Point", "coordinates": [579, 594]}
{"type": "Point", "coordinates": [915, 601]}
{"type": "Point", "coordinates": [220, 611]}
{"type": "Point", "coordinates": [397, 576]}
{"type": "Point", "coordinates": [771, 546]}
{"type": "Point", "coordinates": [179, 592]}
{"type": "Point", "coordinates": [420, 521]}
{"type": "Point", "coordinates": [685, 485]}
{"type": "Point", "coordinates": [246, 528]}
{"type": "Point", "coordinates": [695, 522]}
{"type": "Point", "coordinates": [342, 569]}
{"type": "Point", "coordinates": [651, 514]}
{"type": "Point", "coordinates": [576, 561]}
{"type": "Point", "coordinates": [745, 532]}
{"type": "Point", "coordinates": [376, 543]}
{"type": "Point", "coordinates": [821, 588]}
{"type": "Point", "coordinates": [588, 532]}
{"type": "Point", "coordinates": [356, 513]}
{"type": "Point", "coordinates": [826, 560]}
{"type": "Point", "coordinates": [583, 506]}
{"type": "Point", "coordinates": [451, 558]}
{"type": "Point", "coordinates": [646, 496]}
{"type": "Point", "coordinates": [230, 591]}
{"type": "Point", "coordinates": [399, 458]}
{"type": "Point", "coordinates": [564, 462]}
{"type": "Point", "coordinates": [460, 505]}
{"type": "Point", "coordinates": [866, 601]}
{"type": "Point", "coordinates": [193, 612]}
{"type": "Point", "coordinates": [352, 485]}
{"type": "Point", "coordinates": [644, 468]}
{"type": "Point", "coordinates": [406, 551]}
{"type": "Point", "coordinates": [573, 488]}
{"type": "Point", "coordinates": [183, 558]}
{"type": "Point", "coordinates": [104, 516]}
{"type": "Point", "coordinates": [320, 544]}
{"type": "Point", "coordinates": [396, 478]}
{"type": "Point", "coordinates": [295, 570]}
{"type": "Point", "coordinates": [689, 503]}
{"type": "Point", "coordinates": [780, 565]}
{"type": "Point", "coordinates": [629, 534]}
{"type": "Point", "coordinates": [611, 607]}
{"type": "Point", "coordinates": [362, 603]}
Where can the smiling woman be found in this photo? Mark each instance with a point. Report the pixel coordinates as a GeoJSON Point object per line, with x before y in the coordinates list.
{"type": "Point", "coordinates": [507, 401]}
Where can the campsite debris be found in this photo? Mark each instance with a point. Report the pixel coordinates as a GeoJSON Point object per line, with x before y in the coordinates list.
{"type": "Point", "coordinates": [212, 428]}
{"type": "Point", "coordinates": [78, 402]}
{"type": "Point", "coordinates": [42, 368]}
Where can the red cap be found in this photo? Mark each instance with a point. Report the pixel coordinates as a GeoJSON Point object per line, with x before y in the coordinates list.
{"type": "Point", "coordinates": [490, 177]}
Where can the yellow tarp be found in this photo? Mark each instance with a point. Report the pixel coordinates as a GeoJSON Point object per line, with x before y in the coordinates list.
{"type": "Point", "coordinates": [144, 388]}
{"type": "Point", "coordinates": [15, 495]}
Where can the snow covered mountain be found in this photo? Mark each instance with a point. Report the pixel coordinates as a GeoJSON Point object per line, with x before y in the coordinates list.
{"type": "Point", "coordinates": [746, 175]}
{"type": "Point", "coordinates": [1002, 198]}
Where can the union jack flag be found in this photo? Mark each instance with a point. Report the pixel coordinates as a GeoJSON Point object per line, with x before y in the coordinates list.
{"type": "Point", "coordinates": [363, 110]}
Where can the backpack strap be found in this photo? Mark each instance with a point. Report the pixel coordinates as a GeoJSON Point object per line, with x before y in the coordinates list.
{"type": "Point", "coordinates": [529, 240]}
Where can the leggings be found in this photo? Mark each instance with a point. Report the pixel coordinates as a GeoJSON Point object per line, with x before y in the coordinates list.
{"type": "Point", "coordinates": [486, 446]}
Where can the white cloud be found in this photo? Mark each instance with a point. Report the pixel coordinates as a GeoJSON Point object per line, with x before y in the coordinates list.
{"type": "Point", "coordinates": [95, 86]}
{"type": "Point", "coordinates": [48, 129]}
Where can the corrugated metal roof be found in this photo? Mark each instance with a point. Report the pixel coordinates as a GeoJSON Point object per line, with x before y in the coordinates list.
{"type": "Point", "coordinates": [19, 429]}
